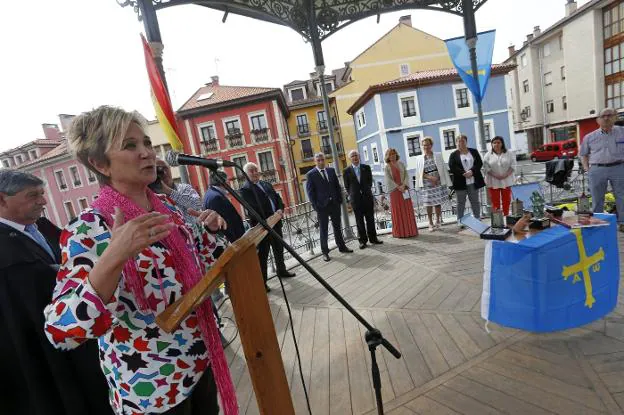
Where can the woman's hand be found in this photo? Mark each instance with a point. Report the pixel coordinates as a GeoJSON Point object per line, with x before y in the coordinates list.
{"type": "Point", "coordinates": [210, 219]}
{"type": "Point", "coordinates": [468, 174]}
{"type": "Point", "coordinates": [130, 238]}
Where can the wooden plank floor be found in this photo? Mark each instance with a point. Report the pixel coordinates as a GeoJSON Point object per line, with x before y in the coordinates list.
{"type": "Point", "coordinates": [424, 295]}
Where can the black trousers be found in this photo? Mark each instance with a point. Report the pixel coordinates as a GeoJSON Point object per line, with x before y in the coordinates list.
{"type": "Point", "coordinates": [269, 242]}
{"type": "Point", "coordinates": [203, 399]}
{"type": "Point", "coordinates": [331, 211]}
{"type": "Point", "coordinates": [365, 213]}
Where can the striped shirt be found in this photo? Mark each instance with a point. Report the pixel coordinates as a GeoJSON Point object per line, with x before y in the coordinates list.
{"type": "Point", "coordinates": [186, 198]}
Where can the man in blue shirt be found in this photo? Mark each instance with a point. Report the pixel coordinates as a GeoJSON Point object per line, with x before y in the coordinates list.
{"type": "Point", "coordinates": [602, 156]}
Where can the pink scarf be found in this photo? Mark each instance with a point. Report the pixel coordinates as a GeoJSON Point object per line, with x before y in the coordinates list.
{"type": "Point", "coordinates": [187, 267]}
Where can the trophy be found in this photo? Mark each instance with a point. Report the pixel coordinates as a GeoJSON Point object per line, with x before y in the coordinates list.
{"type": "Point", "coordinates": [583, 205]}
{"type": "Point", "coordinates": [497, 219]}
{"type": "Point", "coordinates": [517, 210]}
{"type": "Point", "coordinates": [539, 221]}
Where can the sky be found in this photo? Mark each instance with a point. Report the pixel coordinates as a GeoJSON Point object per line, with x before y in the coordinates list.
{"type": "Point", "coordinates": [69, 56]}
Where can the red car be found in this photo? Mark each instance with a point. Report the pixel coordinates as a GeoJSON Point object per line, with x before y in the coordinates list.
{"type": "Point", "coordinates": [556, 150]}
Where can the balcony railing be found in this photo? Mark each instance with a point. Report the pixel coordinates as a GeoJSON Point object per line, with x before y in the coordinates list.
{"type": "Point", "coordinates": [234, 139]}
{"type": "Point", "coordinates": [270, 176]}
{"type": "Point", "coordinates": [307, 154]}
{"type": "Point", "coordinates": [322, 126]}
{"type": "Point", "coordinates": [261, 135]}
{"type": "Point", "coordinates": [210, 146]}
{"type": "Point", "coordinates": [303, 130]}
{"type": "Point", "coordinates": [328, 152]}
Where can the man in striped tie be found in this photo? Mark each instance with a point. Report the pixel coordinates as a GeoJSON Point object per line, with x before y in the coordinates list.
{"type": "Point", "coordinates": [38, 378]}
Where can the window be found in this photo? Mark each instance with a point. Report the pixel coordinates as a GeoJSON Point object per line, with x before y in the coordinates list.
{"type": "Point", "coordinates": [487, 129]}
{"type": "Point", "coordinates": [60, 179]}
{"type": "Point", "coordinates": [233, 127]}
{"type": "Point", "coordinates": [523, 60]}
{"type": "Point", "coordinates": [564, 103]}
{"type": "Point", "coordinates": [614, 95]}
{"type": "Point", "coordinates": [550, 107]}
{"type": "Point", "coordinates": [548, 78]}
{"type": "Point", "coordinates": [240, 160]}
{"type": "Point", "coordinates": [325, 144]}
{"type": "Point", "coordinates": [297, 94]}
{"type": "Point", "coordinates": [322, 120]}
{"type": "Point", "coordinates": [613, 20]}
{"type": "Point", "coordinates": [208, 133]}
{"type": "Point", "coordinates": [560, 42]}
{"type": "Point", "coordinates": [302, 124]}
{"type": "Point", "coordinates": [306, 149]}
{"type": "Point", "coordinates": [461, 95]}
{"type": "Point", "coordinates": [365, 152]}
{"type": "Point", "coordinates": [18, 159]}
{"type": "Point", "coordinates": [265, 160]}
{"type": "Point", "coordinates": [546, 50]}
{"type": "Point", "coordinates": [258, 122]}
{"type": "Point", "coordinates": [525, 86]}
{"type": "Point", "coordinates": [32, 154]}
{"type": "Point", "coordinates": [562, 69]}
{"type": "Point", "coordinates": [449, 139]}
{"type": "Point", "coordinates": [329, 87]}
{"type": "Point", "coordinates": [527, 112]}
{"type": "Point", "coordinates": [408, 107]}
{"type": "Point", "coordinates": [91, 176]}
{"type": "Point", "coordinates": [75, 176]}
{"type": "Point", "coordinates": [413, 146]}
{"type": "Point", "coordinates": [83, 203]}
{"type": "Point", "coordinates": [614, 59]}
{"type": "Point", "coordinates": [69, 210]}
{"type": "Point", "coordinates": [375, 153]}
{"type": "Point", "coordinates": [6, 163]}
{"type": "Point", "coordinates": [361, 119]}
{"type": "Point", "coordinates": [405, 69]}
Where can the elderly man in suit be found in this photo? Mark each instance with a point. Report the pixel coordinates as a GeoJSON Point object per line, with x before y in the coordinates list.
{"type": "Point", "coordinates": [265, 201]}
{"type": "Point", "coordinates": [38, 379]}
{"type": "Point", "coordinates": [217, 200]}
{"type": "Point", "coordinates": [324, 194]}
{"type": "Point", "coordinates": [358, 181]}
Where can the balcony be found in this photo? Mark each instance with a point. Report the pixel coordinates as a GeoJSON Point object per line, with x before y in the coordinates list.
{"type": "Point", "coordinates": [303, 130]}
{"type": "Point", "coordinates": [270, 176]}
{"type": "Point", "coordinates": [210, 146]}
{"type": "Point", "coordinates": [234, 139]}
{"type": "Point", "coordinates": [307, 154]}
{"type": "Point", "coordinates": [261, 135]}
{"type": "Point", "coordinates": [326, 149]}
{"type": "Point", "coordinates": [322, 126]}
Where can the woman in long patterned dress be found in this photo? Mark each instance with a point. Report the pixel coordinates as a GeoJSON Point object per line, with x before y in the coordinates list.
{"type": "Point", "coordinates": [402, 210]}
{"type": "Point", "coordinates": [124, 261]}
{"type": "Point", "coordinates": [433, 178]}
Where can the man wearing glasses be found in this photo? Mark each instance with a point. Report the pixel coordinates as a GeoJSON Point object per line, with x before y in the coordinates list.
{"type": "Point", "coordinates": [602, 156]}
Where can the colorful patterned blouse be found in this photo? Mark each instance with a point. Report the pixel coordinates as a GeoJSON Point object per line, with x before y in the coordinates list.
{"type": "Point", "coordinates": [147, 369]}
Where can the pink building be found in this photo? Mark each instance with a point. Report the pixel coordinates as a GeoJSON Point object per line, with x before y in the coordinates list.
{"type": "Point", "coordinates": [70, 187]}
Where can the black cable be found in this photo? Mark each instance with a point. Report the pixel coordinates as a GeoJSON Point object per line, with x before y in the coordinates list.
{"type": "Point", "coordinates": [290, 319]}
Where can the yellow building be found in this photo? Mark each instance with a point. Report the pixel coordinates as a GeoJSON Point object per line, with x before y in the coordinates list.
{"type": "Point", "coordinates": [399, 52]}
{"type": "Point", "coordinates": [308, 125]}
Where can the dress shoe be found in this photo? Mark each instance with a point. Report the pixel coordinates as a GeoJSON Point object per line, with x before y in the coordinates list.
{"type": "Point", "coordinates": [286, 274]}
{"type": "Point", "coordinates": [326, 258]}
{"type": "Point", "coordinates": [362, 245]}
{"type": "Point", "coordinates": [346, 250]}
{"type": "Point", "coordinates": [377, 242]}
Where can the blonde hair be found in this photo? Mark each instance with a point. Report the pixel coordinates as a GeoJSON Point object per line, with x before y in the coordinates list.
{"type": "Point", "coordinates": [429, 139]}
{"type": "Point", "coordinates": [387, 155]}
{"type": "Point", "coordinates": [93, 133]}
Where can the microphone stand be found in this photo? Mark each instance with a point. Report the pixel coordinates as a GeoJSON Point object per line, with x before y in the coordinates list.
{"type": "Point", "coordinates": [373, 336]}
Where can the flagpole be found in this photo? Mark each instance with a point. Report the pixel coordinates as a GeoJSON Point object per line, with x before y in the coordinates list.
{"type": "Point", "coordinates": [470, 31]}
{"type": "Point", "coordinates": [152, 32]}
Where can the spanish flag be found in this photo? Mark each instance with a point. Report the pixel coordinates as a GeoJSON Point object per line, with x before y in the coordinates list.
{"type": "Point", "coordinates": [162, 102]}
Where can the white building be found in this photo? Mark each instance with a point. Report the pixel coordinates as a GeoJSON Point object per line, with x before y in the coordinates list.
{"type": "Point", "coordinates": [567, 73]}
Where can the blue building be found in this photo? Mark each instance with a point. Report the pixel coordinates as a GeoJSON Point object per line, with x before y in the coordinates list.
{"type": "Point", "coordinates": [399, 114]}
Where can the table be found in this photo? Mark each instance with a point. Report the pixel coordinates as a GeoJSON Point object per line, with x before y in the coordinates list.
{"type": "Point", "coordinates": [557, 279]}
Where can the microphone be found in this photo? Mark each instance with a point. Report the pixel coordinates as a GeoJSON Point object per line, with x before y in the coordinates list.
{"type": "Point", "coordinates": [175, 159]}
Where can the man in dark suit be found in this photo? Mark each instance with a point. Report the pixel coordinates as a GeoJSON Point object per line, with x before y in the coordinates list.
{"type": "Point", "coordinates": [358, 181]}
{"type": "Point", "coordinates": [38, 379]}
{"type": "Point", "coordinates": [216, 199]}
{"type": "Point", "coordinates": [265, 201]}
{"type": "Point", "coordinates": [325, 195]}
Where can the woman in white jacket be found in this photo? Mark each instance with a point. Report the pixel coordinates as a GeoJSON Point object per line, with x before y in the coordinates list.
{"type": "Point", "coordinates": [499, 166]}
{"type": "Point", "coordinates": [432, 178]}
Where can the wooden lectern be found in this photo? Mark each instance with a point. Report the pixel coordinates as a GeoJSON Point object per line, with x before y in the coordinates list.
{"type": "Point", "coordinates": [240, 267]}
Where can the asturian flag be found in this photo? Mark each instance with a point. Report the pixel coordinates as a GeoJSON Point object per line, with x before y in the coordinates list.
{"type": "Point", "coordinates": [557, 279]}
{"type": "Point", "coordinates": [460, 55]}
{"type": "Point", "coordinates": [161, 100]}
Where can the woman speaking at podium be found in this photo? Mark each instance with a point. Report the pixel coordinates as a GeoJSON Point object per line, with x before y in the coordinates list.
{"type": "Point", "coordinates": [124, 260]}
